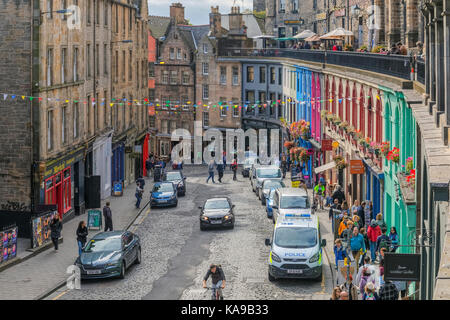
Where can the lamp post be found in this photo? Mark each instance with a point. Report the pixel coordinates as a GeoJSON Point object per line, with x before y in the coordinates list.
{"type": "Point", "coordinates": [65, 12]}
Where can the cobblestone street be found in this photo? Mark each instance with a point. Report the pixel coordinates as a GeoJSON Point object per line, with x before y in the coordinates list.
{"type": "Point", "coordinates": [176, 254]}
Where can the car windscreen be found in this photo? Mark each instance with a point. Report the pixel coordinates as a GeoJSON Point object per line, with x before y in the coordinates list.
{"type": "Point", "coordinates": [217, 204]}
{"type": "Point", "coordinates": [295, 237]}
{"type": "Point", "coordinates": [172, 176]}
{"type": "Point", "coordinates": [273, 184]}
{"type": "Point", "coordinates": [250, 161]}
{"type": "Point", "coordinates": [163, 187]}
{"type": "Point", "coordinates": [294, 202]}
{"type": "Point", "coordinates": [108, 244]}
{"type": "Point", "coordinates": [268, 173]}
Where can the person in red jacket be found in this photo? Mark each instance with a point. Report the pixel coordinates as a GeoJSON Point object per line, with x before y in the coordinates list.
{"type": "Point", "coordinates": [373, 232]}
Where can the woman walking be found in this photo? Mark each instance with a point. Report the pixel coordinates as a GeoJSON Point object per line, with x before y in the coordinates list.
{"type": "Point", "coordinates": [55, 231]}
{"type": "Point", "coordinates": [393, 240]}
{"type": "Point", "coordinates": [373, 232]}
{"type": "Point", "coordinates": [82, 233]}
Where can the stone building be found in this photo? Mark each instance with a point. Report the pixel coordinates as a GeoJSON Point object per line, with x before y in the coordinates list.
{"type": "Point", "coordinates": [68, 120]}
{"type": "Point", "coordinates": [259, 5]}
{"type": "Point", "coordinates": [174, 77]}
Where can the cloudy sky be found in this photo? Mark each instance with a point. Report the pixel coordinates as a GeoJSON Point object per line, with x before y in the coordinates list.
{"type": "Point", "coordinates": [197, 11]}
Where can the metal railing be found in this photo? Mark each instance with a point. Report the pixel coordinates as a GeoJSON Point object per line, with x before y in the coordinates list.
{"type": "Point", "coordinates": [393, 65]}
{"type": "Point", "coordinates": [420, 70]}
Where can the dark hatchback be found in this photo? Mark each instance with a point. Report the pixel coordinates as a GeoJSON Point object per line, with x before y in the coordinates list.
{"type": "Point", "coordinates": [163, 194]}
{"type": "Point", "coordinates": [217, 212]}
{"type": "Point", "coordinates": [109, 254]}
{"type": "Point", "coordinates": [178, 179]}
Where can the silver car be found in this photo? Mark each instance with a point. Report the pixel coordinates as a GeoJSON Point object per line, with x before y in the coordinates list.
{"type": "Point", "coordinates": [265, 173]}
{"type": "Point", "coordinates": [267, 185]}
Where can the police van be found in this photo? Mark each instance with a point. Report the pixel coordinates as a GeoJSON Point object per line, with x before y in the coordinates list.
{"type": "Point", "coordinates": [296, 248]}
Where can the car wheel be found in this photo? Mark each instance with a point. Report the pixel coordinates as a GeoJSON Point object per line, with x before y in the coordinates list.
{"type": "Point", "coordinates": [232, 226]}
{"type": "Point", "coordinates": [202, 228]}
{"type": "Point", "coordinates": [271, 278]}
{"type": "Point", "coordinates": [122, 270]}
{"type": "Point", "coordinates": [138, 256]}
{"type": "Point", "coordinates": [319, 278]}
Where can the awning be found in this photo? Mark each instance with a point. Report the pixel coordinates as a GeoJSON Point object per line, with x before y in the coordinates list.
{"type": "Point", "coordinates": [314, 38]}
{"type": "Point", "coordinates": [339, 32]}
{"type": "Point", "coordinates": [325, 167]}
{"type": "Point", "coordinates": [285, 39]}
{"type": "Point", "coordinates": [305, 34]}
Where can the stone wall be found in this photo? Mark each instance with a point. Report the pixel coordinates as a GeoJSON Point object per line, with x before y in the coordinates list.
{"type": "Point", "coordinates": [15, 116]}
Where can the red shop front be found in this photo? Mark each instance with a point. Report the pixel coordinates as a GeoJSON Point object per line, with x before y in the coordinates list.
{"type": "Point", "coordinates": [58, 190]}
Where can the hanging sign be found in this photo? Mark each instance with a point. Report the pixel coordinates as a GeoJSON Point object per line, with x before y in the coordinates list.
{"type": "Point", "coordinates": [327, 145]}
{"type": "Point", "coordinates": [401, 267]}
{"type": "Point", "coordinates": [356, 167]}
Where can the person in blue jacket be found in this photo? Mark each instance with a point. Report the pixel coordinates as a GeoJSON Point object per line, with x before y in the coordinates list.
{"type": "Point", "coordinates": [339, 252]}
{"type": "Point", "coordinates": [393, 239]}
{"type": "Point", "coordinates": [357, 244]}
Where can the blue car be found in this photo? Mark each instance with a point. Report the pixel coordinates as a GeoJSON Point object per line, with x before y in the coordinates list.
{"type": "Point", "coordinates": [164, 194]}
{"type": "Point", "coordinates": [269, 203]}
{"type": "Point", "coordinates": [109, 254]}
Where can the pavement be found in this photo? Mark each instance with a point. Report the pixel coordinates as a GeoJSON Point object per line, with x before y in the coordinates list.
{"type": "Point", "coordinates": [40, 274]}
{"type": "Point", "coordinates": [176, 254]}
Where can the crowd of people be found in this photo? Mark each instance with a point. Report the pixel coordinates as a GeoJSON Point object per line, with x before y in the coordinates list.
{"type": "Point", "coordinates": [359, 230]}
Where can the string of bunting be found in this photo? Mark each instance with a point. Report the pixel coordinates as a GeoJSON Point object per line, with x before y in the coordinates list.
{"type": "Point", "coordinates": [177, 104]}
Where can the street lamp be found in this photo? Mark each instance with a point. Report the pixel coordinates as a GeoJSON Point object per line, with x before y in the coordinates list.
{"type": "Point", "coordinates": [65, 12]}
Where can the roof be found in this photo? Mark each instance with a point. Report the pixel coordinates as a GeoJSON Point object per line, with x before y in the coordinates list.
{"type": "Point", "coordinates": [309, 221]}
{"type": "Point", "coordinates": [109, 234]}
{"type": "Point", "coordinates": [188, 38]}
{"type": "Point", "coordinates": [254, 26]}
{"type": "Point", "coordinates": [218, 198]}
{"type": "Point", "coordinates": [292, 191]}
{"type": "Point", "coordinates": [198, 32]}
{"type": "Point", "coordinates": [158, 25]}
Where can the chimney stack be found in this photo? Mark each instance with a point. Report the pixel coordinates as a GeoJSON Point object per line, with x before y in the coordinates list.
{"type": "Point", "coordinates": [236, 21]}
{"type": "Point", "coordinates": [177, 13]}
{"type": "Point", "coordinates": [215, 21]}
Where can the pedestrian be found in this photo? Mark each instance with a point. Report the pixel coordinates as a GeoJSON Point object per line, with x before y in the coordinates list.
{"type": "Point", "coordinates": [319, 190]}
{"type": "Point", "coordinates": [140, 182]}
{"type": "Point", "coordinates": [357, 244]}
{"type": "Point", "coordinates": [366, 277]}
{"type": "Point", "coordinates": [355, 207]}
{"type": "Point", "coordinates": [335, 206]}
{"type": "Point", "coordinates": [367, 214]}
{"type": "Point", "coordinates": [343, 225]}
{"type": "Point", "coordinates": [366, 264]}
{"type": "Point", "coordinates": [336, 293]}
{"type": "Point", "coordinates": [211, 166]}
{"type": "Point", "coordinates": [338, 194]}
{"type": "Point", "coordinates": [345, 208]}
{"type": "Point", "coordinates": [224, 160]}
{"type": "Point", "coordinates": [383, 240]}
{"type": "Point", "coordinates": [388, 291]}
{"type": "Point", "coordinates": [366, 241]}
{"type": "Point", "coordinates": [138, 195]}
{"type": "Point", "coordinates": [360, 213]}
{"type": "Point", "coordinates": [380, 221]}
{"type": "Point", "coordinates": [82, 233]}
{"type": "Point", "coordinates": [283, 165]}
{"type": "Point", "coordinates": [328, 199]}
{"type": "Point", "coordinates": [402, 49]}
{"type": "Point", "coordinates": [220, 169]}
{"type": "Point", "coordinates": [369, 292]}
{"type": "Point", "coordinates": [393, 239]}
{"type": "Point", "coordinates": [339, 252]}
{"type": "Point", "coordinates": [234, 167]}
{"type": "Point", "coordinates": [373, 232]}
{"type": "Point", "coordinates": [55, 231]}
{"type": "Point", "coordinates": [382, 253]}
{"type": "Point", "coordinates": [107, 214]}
{"type": "Point", "coordinates": [347, 233]}
{"type": "Point", "coordinates": [148, 166]}
{"type": "Point", "coordinates": [356, 222]}
{"type": "Point", "coordinates": [349, 287]}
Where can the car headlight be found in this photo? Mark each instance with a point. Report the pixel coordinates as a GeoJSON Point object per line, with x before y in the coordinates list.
{"type": "Point", "coordinates": [314, 258]}
{"type": "Point", "coordinates": [227, 217]}
{"type": "Point", "coordinates": [275, 257]}
{"type": "Point", "coordinates": [204, 218]}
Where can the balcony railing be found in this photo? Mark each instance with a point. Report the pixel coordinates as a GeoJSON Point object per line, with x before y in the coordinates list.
{"type": "Point", "coordinates": [420, 70]}
{"type": "Point", "coordinates": [393, 65]}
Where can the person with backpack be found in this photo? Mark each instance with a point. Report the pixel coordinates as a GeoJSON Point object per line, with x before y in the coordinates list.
{"type": "Point", "coordinates": [380, 221]}
{"type": "Point", "coordinates": [365, 279]}
{"type": "Point", "coordinates": [373, 232]}
{"type": "Point", "coordinates": [383, 240]}
{"type": "Point", "coordinates": [394, 240]}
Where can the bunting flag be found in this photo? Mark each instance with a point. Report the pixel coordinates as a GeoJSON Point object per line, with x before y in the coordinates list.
{"type": "Point", "coordinates": [178, 105]}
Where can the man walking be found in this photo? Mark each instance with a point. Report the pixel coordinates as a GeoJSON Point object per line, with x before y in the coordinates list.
{"type": "Point", "coordinates": [220, 169]}
{"type": "Point", "coordinates": [211, 166]}
{"type": "Point", "coordinates": [148, 167]}
{"type": "Point", "coordinates": [55, 231]}
{"type": "Point", "coordinates": [138, 194]}
{"type": "Point", "coordinates": [234, 167]}
{"type": "Point", "coordinates": [108, 217]}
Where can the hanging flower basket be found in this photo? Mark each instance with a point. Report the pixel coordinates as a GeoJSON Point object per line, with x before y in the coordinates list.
{"type": "Point", "coordinates": [394, 155]}
{"type": "Point", "coordinates": [385, 147]}
{"type": "Point", "coordinates": [289, 144]}
{"type": "Point", "coordinates": [340, 162]}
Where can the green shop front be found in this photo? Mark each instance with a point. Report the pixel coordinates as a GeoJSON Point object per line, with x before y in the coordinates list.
{"type": "Point", "coordinates": [399, 170]}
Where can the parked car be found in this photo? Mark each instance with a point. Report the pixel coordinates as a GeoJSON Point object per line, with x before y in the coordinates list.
{"type": "Point", "coordinates": [265, 173]}
{"type": "Point", "coordinates": [266, 186]}
{"type": "Point", "coordinates": [217, 212]}
{"type": "Point", "coordinates": [290, 201]}
{"type": "Point", "coordinates": [109, 254]}
{"type": "Point", "coordinates": [163, 194]}
{"type": "Point", "coordinates": [249, 162]}
{"type": "Point", "coordinates": [178, 179]}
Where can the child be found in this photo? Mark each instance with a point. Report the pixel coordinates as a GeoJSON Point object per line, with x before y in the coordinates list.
{"type": "Point", "coordinates": [339, 252]}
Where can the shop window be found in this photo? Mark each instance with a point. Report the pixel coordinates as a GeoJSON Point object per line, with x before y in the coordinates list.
{"type": "Point", "coordinates": [58, 190]}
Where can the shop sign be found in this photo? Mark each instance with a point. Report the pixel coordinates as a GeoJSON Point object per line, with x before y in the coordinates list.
{"type": "Point", "coordinates": [41, 228]}
{"type": "Point", "coordinates": [8, 244]}
{"type": "Point", "coordinates": [327, 145]}
{"type": "Point", "coordinates": [55, 166]}
{"type": "Point", "coordinates": [356, 167]}
{"type": "Point", "coordinates": [321, 16]}
{"type": "Point", "coordinates": [340, 13]}
{"type": "Point", "coordinates": [299, 22]}
{"type": "Point", "coordinates": [402, 267]}
{"type": "Point", "coordinates": [94, 219]}
{"type": "Point", "coordinates": [118, 189]}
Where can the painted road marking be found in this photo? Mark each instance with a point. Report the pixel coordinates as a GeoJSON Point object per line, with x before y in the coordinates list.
{"type": "Point", "coordinates": [60, 295]}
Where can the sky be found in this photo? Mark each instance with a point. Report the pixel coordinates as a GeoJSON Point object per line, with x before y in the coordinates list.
{"type": "Point", "coordinates": [196, 11]}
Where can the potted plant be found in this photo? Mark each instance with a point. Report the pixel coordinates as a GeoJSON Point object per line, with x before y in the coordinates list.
{"type": "Point", "coordinates": [394, 155]}
{"type": "Point", "coordinates": [409, 164]}
{"type": "Point", "coordinates": [340, 162]}
{"type": "Point", "coordinates": [385, 147]}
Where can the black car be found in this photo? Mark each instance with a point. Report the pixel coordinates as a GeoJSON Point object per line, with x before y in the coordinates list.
{"type": "Point", "coordinates": [109, 254]}
{"type": "Point", "coordinates": [178, 179]}
{"type": "Point", "coordinates": [217, 212]}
